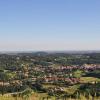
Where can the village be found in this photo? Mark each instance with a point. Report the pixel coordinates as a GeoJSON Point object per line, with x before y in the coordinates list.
{"type": "Point", "coordinates": [47, 75]}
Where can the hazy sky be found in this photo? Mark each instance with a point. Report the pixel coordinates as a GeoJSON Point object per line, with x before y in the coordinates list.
{"type": "Point", "coordinates": [49, 25]}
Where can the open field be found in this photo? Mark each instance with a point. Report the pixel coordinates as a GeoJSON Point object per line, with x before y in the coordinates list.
{"type": "Point", "coordinates": [89, 79]}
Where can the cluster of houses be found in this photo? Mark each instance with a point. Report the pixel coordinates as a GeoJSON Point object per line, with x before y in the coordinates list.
{"type": "Point", "coordinates": [57, 79]}
{"type": "Point", "coordinates": [50, 74]}
{"type": "Point", "coordinates": [61, 73]}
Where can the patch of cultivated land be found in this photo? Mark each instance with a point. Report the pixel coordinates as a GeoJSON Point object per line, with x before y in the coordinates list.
{"type": "Point", "coordinates": [89, 79]}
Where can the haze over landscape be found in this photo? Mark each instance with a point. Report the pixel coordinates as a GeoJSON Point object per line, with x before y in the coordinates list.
{"type": "Point", "coordinates": [49, 25]}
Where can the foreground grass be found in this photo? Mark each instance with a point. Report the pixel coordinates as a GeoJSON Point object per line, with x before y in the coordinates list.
{"type": "Point", "coordinates": [9, 98]}
{"type": "Point", "coordinates": [44, 96]}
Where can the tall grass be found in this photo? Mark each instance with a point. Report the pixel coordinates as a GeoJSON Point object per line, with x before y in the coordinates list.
{"type": "Point", "coordinates": [37, 97]}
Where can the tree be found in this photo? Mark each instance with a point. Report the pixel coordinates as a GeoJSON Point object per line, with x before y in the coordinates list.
{"type": "Point", "coordinates": [77, 74]}
{"type": "Point", "coordinates": [3, 77]}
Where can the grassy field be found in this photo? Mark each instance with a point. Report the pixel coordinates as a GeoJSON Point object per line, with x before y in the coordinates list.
{"type": "Point", "coordinates": [43, 96]}
{"type": "Point", "coordinates": [89, 79]}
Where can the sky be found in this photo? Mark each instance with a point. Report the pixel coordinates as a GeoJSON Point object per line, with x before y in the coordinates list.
{"type": "Point", "coordinates": [49, 25]}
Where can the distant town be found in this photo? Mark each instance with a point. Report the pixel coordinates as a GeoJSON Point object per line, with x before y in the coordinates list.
{"type": "Point", "coordinates": [45, 76]}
